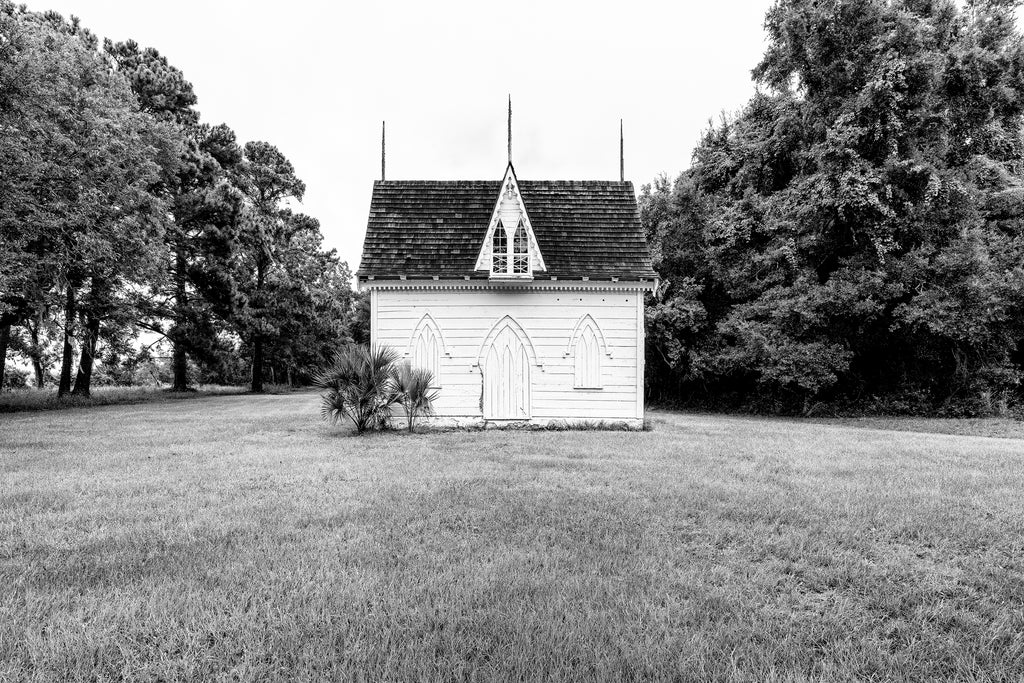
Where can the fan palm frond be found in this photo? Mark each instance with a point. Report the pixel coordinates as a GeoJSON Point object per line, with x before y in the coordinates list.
{"type": "Point", "coordinates": [358, 385]}
{"type": "Point", "coordinates": [414, 390]}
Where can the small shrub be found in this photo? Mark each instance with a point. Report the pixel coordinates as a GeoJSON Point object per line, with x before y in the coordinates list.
{"type": "Point", "coordinates": [280, 389]}
{"type": "Point", "coordinates": [414, 392]}
{"type": "Point", "coordinates": [590, 426]}
{"type": "Point", "coordinates": [359, 386]}
{"type": "Point", "coordinates": [14, 378]}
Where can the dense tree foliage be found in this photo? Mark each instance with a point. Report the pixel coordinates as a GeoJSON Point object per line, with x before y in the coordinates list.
{"type": "Point", "coordinates": [853, 237]}
{"type": "Point", "coordinates": [269, 233]}
{"type": "Point", "coordinates": [126, 222]}
{"type": "Point", "coordinates": [201, 209]}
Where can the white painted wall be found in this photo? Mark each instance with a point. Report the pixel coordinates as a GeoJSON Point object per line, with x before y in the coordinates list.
{"type": "Point", "coordinates": [548, 317]}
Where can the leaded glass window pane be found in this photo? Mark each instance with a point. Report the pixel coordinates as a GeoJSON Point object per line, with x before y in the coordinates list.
{"type": "Point", "coordinates": [499, 250]}
{"type": "Point", "coordinates": [520, 251]}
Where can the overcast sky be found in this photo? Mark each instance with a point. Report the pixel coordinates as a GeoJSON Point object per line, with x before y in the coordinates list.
{"type": "Point", "coordinates": [317, 78]}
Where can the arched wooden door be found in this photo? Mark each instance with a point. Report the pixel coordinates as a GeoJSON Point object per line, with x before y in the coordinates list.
{"type": "Point", "coordinates": [507, 379]}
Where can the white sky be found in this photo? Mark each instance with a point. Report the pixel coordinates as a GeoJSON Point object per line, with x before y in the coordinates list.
{"type": "Point", "coordinates": [317, 78]}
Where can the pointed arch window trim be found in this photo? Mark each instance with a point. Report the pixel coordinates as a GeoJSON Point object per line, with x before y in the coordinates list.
{"type": "Point", "coordinates": [586, 320]}
{"type": "Point", "coordinates": [499, 249]}
{"type": "Point", "coordinates": [586, 361]}
{"type": "Point", "coordinates": [427, 321]}
{"type": "Point", "coordinates": [435, 347]}
{"type": "Point", "coordinates": [586, 344]}
{"type": "Point", "coordinates": [520, 250]}
{"type": "Point", "coordinates": [507, 322]}
{"type": "Point", "coordinates": [510, 251]}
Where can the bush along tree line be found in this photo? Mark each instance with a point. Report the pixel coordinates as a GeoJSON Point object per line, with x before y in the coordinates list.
{"type": "Point", "coordinates": [364, 383]}
{"type": "Point", "coordinates": [851, 240]}
{"type": "Point", "coordinates": [128, 225]}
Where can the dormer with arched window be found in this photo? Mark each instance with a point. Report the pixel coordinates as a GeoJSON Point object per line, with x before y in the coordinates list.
{"type": "Point", "coordinates": [510, 250]}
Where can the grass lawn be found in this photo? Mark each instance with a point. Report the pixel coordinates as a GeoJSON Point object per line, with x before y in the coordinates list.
{"type": "Point", "coordinates": [23, 400]}
{"type": "Point", "coordinates": [238, 538]}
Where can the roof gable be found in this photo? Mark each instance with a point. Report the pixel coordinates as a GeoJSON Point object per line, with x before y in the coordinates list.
{"type": "Point", "coordinates": [510, 209]}
{"type": "Point", "coordinates": [435, 229]}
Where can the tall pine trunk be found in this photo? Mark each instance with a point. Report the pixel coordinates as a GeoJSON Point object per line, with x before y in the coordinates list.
{"type": "Point", "coordinates": [257, 364]}
{"type": "Point", "coordinates": [179, 363]}
{"type": "Point", "coordinates": [5, 339]}
{"type": "Point", "coordinates": [179, 360]}
{"type": "Point", "coordinates": [67, 356]}
{"type": "Point", "coordinates": [257, 341]}
{"type": "Point", "coordinates": [35, 352]}
{"type": "Point", "coordinates": [83, 379]}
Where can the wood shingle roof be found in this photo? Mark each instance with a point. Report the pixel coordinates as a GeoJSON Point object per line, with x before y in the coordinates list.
{"type": "Point", "coordinates": [422, 229]}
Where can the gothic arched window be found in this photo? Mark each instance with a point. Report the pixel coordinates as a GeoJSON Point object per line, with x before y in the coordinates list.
{"type": "Point", "coordinates": [426, 353]}
{"type": "Point", "coordinates": [499, 250]}
{"type": "Point", "coordinates": [520, 251]}
{"type": "Point", "coordinates": [587, 360]}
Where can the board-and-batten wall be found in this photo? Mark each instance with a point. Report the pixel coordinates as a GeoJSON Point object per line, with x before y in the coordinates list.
{"type": "Point", "coordinates": [551, 319]}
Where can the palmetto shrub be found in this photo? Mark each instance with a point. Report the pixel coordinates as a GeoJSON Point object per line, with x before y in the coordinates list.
{"type": "Point", "coordinates": [414, 391]}
{"type": "Point", "coordinates": [359, 386]}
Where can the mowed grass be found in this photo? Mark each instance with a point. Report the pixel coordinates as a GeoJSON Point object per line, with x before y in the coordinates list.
{"type": "Point", "coordinates": [23, 400]}
{"type": "Point", "coordinates": [239, 538]}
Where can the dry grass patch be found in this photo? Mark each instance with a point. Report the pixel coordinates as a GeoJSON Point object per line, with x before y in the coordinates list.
{"type": "Point", "coordinates": [237, 537]}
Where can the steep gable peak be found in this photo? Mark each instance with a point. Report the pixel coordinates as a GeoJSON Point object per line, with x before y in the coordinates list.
{"type": "Point", "coordinates": [509, 248]}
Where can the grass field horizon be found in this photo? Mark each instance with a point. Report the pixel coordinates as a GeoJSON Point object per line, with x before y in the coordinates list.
{"type": "Point", "coordinates": [238, 537]}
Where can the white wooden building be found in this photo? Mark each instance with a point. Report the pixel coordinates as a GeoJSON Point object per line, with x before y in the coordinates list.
{"type": "Point", "coordinates": [525, 298]}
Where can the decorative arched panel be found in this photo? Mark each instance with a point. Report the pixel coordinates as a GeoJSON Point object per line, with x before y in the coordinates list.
{"type": "Point", "coordinates": [426, 345]}
{"type": "Point", "coordinates": [587, 361]}
{"type": "Point", "coordinates": [508, 322]}
{"type": "Point", "coordinates": [587, 346]}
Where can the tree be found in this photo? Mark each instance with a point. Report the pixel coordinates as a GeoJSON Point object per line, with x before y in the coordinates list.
{"type": "Point", "coordinates": [23, 223]}
{"type": "Point", "coordinates": [268, 180]}
{"type": "Point", "coordinates": [122, 212]}
{"type": "Point", "coordinates": [79, 157]}
{"type": "Point", "coordinates": [309, 294]}
{"type": "Point", "coordinates": [358, 316]}
{"type": "Point", "coordinates": [196, 293]}
{"type": "Point", "coordinates": [854, 234]}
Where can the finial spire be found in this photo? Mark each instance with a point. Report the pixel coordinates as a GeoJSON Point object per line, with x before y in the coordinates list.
{"type": "Point", "coordinates": [510, 128]}
{"type": "Point", "coordinates": [382, 174]}
{"type": "Point", "coordinates": [622, 155]}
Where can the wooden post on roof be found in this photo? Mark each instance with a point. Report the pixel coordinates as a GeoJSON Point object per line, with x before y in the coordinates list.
{"type": "Point", "coordinates": [382, 175]}
{"type": "Point", "coordinates": [510, 128]}
{"type": "Point", "coordinates": [622, 155]}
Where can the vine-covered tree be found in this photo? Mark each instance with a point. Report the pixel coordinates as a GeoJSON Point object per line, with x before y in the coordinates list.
{"type": "Point", "coordinates": [853, 236]}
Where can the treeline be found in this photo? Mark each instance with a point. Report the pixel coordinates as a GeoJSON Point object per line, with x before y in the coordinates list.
{"type": "Point", "coordinates": [852, 239]}
{"type": "Point", "coordinates": [126, 224]}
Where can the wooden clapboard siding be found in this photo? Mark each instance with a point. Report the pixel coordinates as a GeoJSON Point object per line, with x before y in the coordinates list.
{"type": "Point", "coordinates": [464, 318]}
